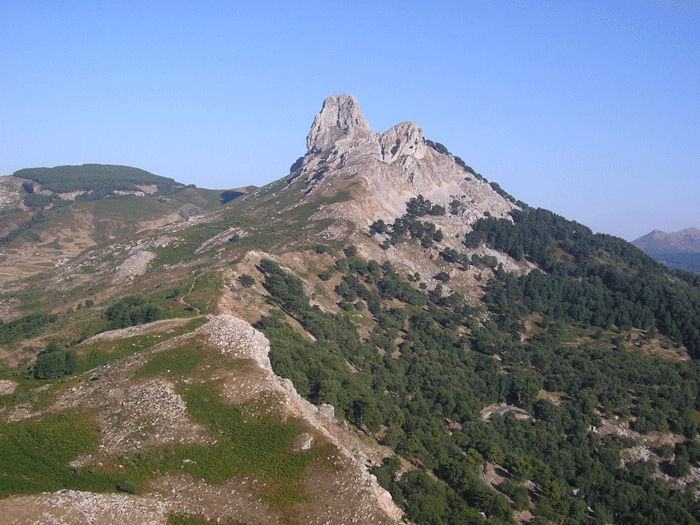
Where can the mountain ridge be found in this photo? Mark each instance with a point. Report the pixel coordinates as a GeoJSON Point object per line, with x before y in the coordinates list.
{"type": "Point", "coordinates": [657, 241]}
{"type": "Point", "coordinates": [486, 362]}
{"type": "Point", "coordinates": [678, 250]}
{"type": "Point", "coordinates": [386, 169]}
{"type": "Point", "coordinates": [50, 215]}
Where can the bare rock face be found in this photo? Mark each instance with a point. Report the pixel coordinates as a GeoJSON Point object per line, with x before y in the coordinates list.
{"type": "Point", "coordinates": [382, 171]}
{"type": "Point", "coordinates": [403, 140]}
{"type": "Point", "coordinates": [340, 118]}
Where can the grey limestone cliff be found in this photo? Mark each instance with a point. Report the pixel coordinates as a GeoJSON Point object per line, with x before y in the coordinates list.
{"type": "Point", "coordinates": [340, 118]}
{"type": "Point", "coordinates": [382, 171]}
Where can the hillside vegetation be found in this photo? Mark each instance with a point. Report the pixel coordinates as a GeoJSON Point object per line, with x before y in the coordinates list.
{"type": "Point", "coordinates": [419, 382]}
{"type": "Point", "coordinates": [415, 366]}
{"type": "Point", "coordinates": [53, 214]}
{"type": "Point", "coordinates": [486, 368]}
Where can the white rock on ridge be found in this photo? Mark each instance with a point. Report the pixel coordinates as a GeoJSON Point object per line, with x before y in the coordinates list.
{"type": "Point", "coordinates": [340, 118]}
{"type": "Point", "coordinates": [239, 339]}
{"type": "Point", "coordinates": [403, 140]}
{"type": "Point", "coordinates": [382, 171]}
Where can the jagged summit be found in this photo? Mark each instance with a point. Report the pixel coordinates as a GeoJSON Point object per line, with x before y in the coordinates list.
{"type": "Point", "coordinates": [340, 117]}
{"type": "Point", "coordinates": [382, 171]}
{"type": "Point", "coordinates": [340, 123]}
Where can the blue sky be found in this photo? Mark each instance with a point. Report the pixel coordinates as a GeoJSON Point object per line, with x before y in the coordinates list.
{"type": "Point", "coordinates": [590, 109]}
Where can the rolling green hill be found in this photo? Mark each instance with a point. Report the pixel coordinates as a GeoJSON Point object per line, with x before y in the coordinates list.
{"type": "Point", "coordinates": [101, 179]}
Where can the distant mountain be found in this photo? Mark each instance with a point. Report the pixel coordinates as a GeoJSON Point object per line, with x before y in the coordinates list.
{"type": "Point", "coordinates": [678, 249]}
{"type": "Point", "coordinates": [687, 241]}
{"type": "Point", "coordinates": [682, 260]}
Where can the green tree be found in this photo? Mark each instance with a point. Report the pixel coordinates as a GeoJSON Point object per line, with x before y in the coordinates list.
{"type": "Point", "coordinates": [246, 280]}
{"type": "Point", "coordinates": [55, 364]}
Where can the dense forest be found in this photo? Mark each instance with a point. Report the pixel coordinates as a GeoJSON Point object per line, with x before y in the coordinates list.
{"type": "Point", "coordinates": [596, 279]}
{"type": "Point", "coordinates": [98, 179]}
{"type": "Point", "coordinates": [420, 380]}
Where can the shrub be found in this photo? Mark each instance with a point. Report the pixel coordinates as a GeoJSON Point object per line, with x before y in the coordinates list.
{"type": "Point", "coordinates": [325, 275]}
{"type": "Point", "coordinates": [246, 280]}
{"type": "Point", "coordinates": [443, 276]}
{"type": "Point", "coordinates": [680, 467]}
{"type": "Point", "coordinates": [55, 364]}
{"type": "Point", "coordinates": [127, 486]}
{"type": "Point", "coordinates": [378, 226]}
{"type": "Point", "coordinates": [131, 311]}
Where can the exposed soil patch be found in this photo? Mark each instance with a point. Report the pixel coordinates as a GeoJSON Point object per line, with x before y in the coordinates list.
{"type": "Point", "coordinates": [7, 386]}
{"type": "Point", "coordinates": [162, 326]}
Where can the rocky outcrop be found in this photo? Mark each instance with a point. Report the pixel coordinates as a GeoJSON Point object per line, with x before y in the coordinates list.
{"type": "Point", "coordinates": [403, 140]}
{"type": "Point", "coordinates": [340, 119]}
{"type": "Point", "coordinates": [240, 340]}
{"type": "Point", "coordinates": [135, 265]}
{"type": "Point", "coordinates": [382, 171]}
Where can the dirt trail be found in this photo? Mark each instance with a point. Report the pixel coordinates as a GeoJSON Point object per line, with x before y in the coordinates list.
{"type": "Point", "coordinates": [182, 301]}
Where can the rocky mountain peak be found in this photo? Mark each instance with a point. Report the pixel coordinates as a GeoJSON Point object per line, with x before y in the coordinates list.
{"type": "Point", "coordinates": [382, 171]}
{"type": "Point", "coordinates": [340, 118]}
